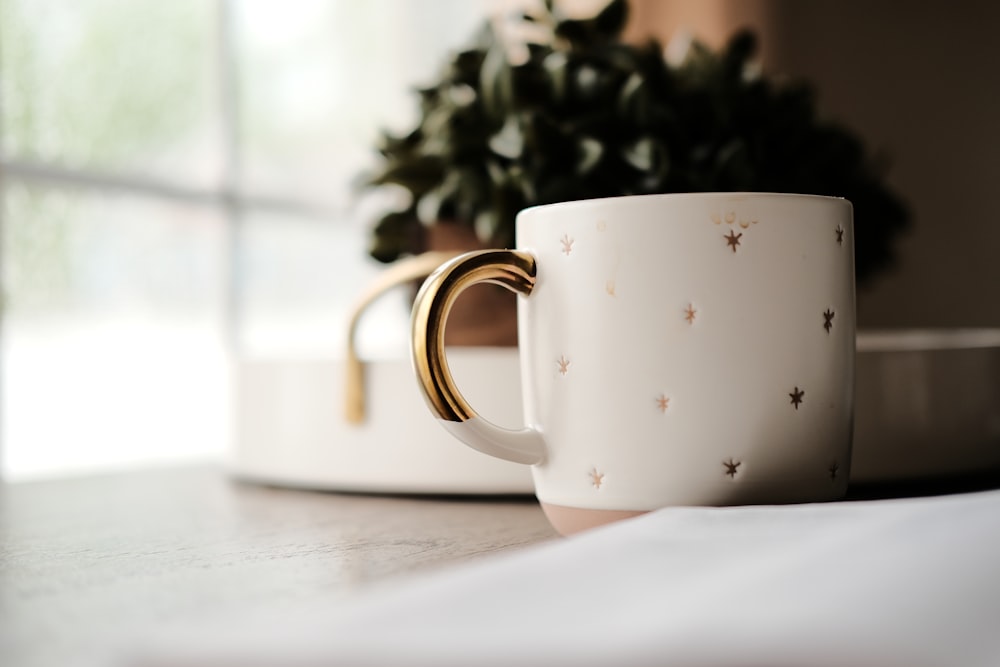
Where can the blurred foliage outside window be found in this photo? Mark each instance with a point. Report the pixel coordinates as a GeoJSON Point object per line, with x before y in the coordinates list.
{"type": "Point", "coordinates": [164, 166]}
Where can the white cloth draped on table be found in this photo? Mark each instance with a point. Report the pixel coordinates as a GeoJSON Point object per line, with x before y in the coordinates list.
{"type": "Point", "coordinates": [891, 582]}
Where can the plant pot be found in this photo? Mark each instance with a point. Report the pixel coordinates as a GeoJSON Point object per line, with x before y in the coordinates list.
{"type": "Point", "coordinates": [483, 316]}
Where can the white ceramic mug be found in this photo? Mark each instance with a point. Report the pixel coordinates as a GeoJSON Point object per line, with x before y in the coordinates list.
{"type": "Point", "coordinates": [680, 349]}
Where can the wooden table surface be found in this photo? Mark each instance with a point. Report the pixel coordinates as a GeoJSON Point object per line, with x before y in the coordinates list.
{"type": "Point", "coordinates": [93, 564]}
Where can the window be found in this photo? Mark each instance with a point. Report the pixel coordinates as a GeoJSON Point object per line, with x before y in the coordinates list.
{"type": "Point", "coordinates": [176, 187]}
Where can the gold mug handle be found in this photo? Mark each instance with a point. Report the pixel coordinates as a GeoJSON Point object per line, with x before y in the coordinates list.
{"type": "Point", "coordinates": [512, 269]}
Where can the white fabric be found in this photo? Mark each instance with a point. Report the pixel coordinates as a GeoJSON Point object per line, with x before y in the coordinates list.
{"type": "Point", "coordinates": [899, 582]}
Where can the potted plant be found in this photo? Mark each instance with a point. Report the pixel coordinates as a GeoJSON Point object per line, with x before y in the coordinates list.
{"type": "Point", "coordinates": [547, 108]}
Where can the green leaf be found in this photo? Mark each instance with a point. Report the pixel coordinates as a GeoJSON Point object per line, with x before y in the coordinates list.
{"type": "Point", "coordinates": [605, 27]}
{"type": "Point", "coordinates": [417, 174]}
{"type": "Point", "coordinates": [641, 154]}
{"type": "Point", "coordinates": [393, 236]}
{"type": "Point", "coordinates": [556, 68]}
{"type": "Point", "coordinates": [494, 82]}
{"type": "Point", "coordinates": [509, 141]}
{"type": "Point", "coordinates": [486, 225]}
{"type": "Point", "coordinates": [389, 145]}
{"type": "Point", "coordinates": [611, 20]}
{"type": "Point", "coordinates": [590, 152]}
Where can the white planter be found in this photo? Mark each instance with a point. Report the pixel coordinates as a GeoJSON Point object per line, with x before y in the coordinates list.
{"type": "Point", "coordinates": [927, 405]}
{"type": "Point", "coordinates": [291, 427]}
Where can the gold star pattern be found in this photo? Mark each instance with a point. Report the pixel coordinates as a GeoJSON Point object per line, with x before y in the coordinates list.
{"type": "Point", "coordinates": [840, 235]}
{"type": "Point", "coordinates": [567, 244]}
{"type": "Point", "coordinates": [796, 396]}
{"type": "Point", "coordinates": [731, 467]}
{"type": "Point", "coordinates": [596, 478]}
{"type": "Point", "coordinates": [563, 365]}
{"type": "Point", "coordinates": [689, 313]}
{"type": "Point", "coordinates": [662, 402]}
{"type": "Point", "coordinates": [733, 239]}
{"type": "Point", "coordinates": [828, 319]}
{"type": "Point", "coordinates": [730, 218]}
{"type": "Point", "coordinates": [833, 469]}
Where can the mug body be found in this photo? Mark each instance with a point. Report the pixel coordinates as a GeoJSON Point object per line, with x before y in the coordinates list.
{"type": "Point", "coordinates": [689, 349]}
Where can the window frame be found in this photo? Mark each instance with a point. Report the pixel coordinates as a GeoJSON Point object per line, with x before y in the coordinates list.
{"type": "Point", "coordinates": [229, 197]}
{"type": "Point", "coordinates": [232, 196]}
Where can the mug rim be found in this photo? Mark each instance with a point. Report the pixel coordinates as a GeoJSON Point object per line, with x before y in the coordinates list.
{"type": "Point", "coordinates": [573, 203]}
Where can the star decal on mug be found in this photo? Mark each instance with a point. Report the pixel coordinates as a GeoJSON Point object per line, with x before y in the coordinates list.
{"type": "Point", "coordinates": [796, 396]}
{"type": "Point", "coordinates": [567, 244]}
{"type": "Point", "coordinates": [662, 402]}
{"type": "Point", "coordinates": [828, 319]}
{"type": "Point", "coordinates": [840, 235]}
{"type": "Point", "coordinates": [596, 478]}
{"type": "Point", "coordinates": [732, 466]}
{"type": "Point", "coordinates": [689, 313]}
{"type": "Point", "coordinates": [733, 239]}
{"type": "Point", "coordinates": [563, 364]}
{"type": "Point", "coordinates": [730, 218]}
